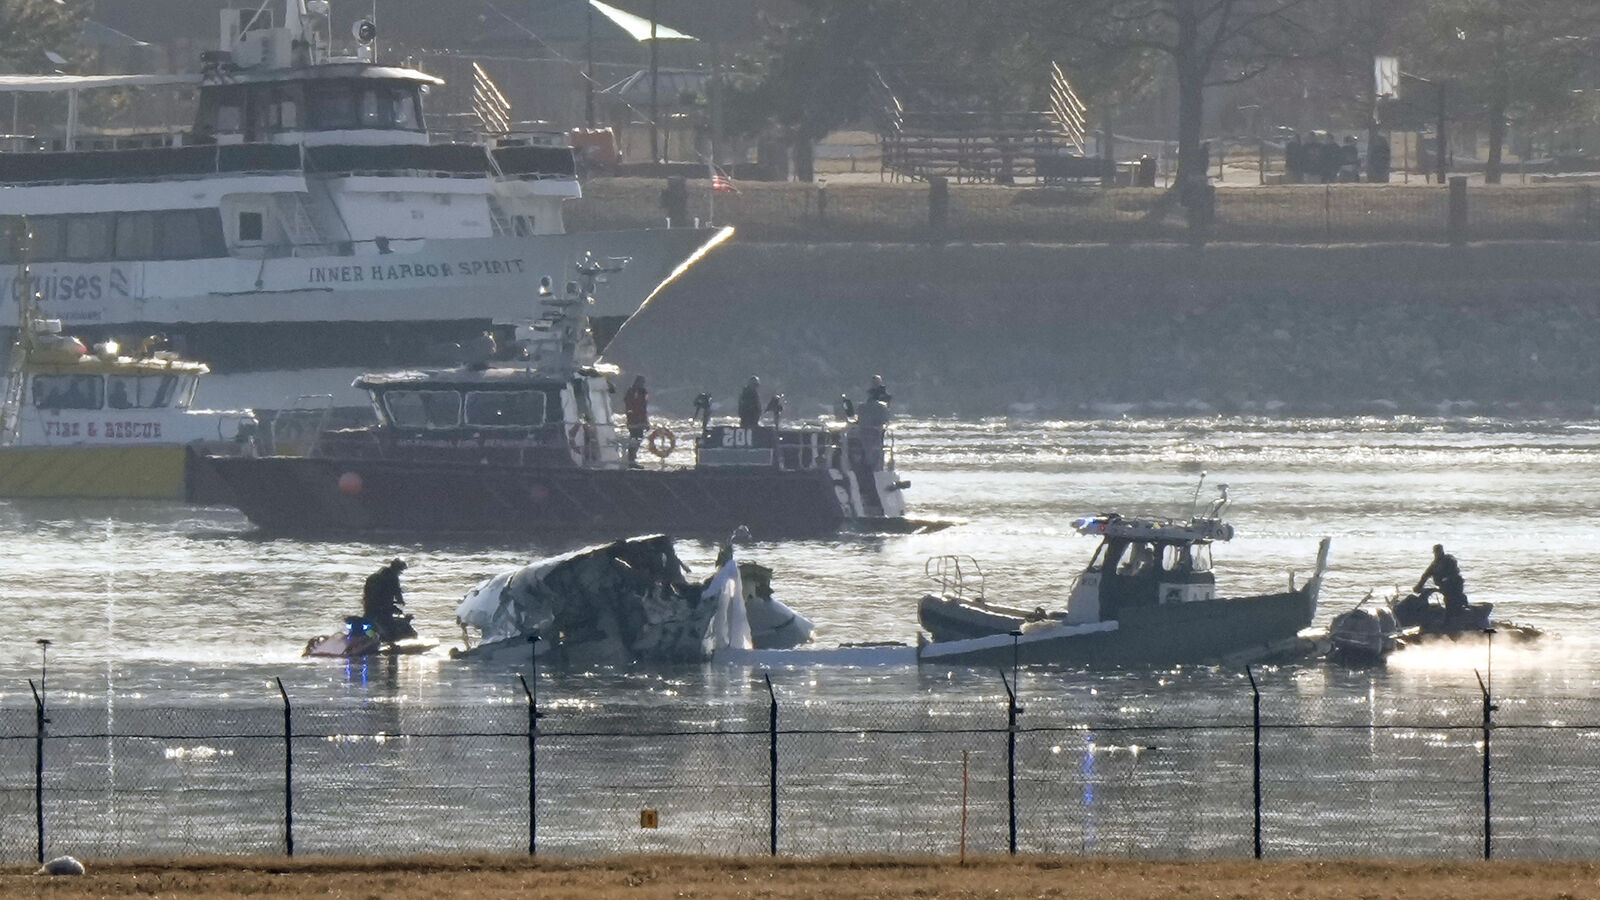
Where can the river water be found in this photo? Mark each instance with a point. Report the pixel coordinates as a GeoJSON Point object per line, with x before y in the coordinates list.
{"type": "Point", "coordinates": [151, 605]}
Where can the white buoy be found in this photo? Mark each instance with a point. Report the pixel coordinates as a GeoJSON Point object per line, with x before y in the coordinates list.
{"type": "Point", "coordinates": [61, 865]}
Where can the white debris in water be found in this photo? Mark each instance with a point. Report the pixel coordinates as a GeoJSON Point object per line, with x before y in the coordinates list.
{"type": "Point", "coordinates": [201, 752]}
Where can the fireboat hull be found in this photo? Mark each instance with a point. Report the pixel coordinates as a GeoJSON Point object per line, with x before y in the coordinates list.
{"type": "Point", "coordinates": [321, 497]}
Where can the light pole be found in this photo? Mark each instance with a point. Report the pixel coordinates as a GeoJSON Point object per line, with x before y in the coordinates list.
{"type": "Point", "coordinates": [588, 65]}
{"type": "Point", "coordinates": [44, 650]}
{"type": "Point", "coordinates": [655, 75]}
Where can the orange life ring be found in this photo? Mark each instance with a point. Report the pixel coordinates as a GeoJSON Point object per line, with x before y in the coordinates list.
{"type": "Point", "coordinates": [663, 442]}
{"type": "Point", "coordinates": [574, 434]}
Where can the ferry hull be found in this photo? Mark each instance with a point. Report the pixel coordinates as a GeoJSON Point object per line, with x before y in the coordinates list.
{"type": "Point", "coordinates": [135, 472]}
{"type": "Point", "coordinates": [319, 497]}
{"type": "Point", "coordinates": [273, 330]}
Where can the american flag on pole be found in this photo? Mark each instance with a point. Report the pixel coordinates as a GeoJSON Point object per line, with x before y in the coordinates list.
{"type": "Point", "coordinates": [721, 182]}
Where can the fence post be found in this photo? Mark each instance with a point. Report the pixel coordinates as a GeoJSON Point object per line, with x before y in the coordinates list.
{"type": "Point", "coordinates": [1256, 717]}
{"type": "Point", "coordinates": [1327, 214]}
{"type": "Point", "coordinates": [1488, 725]}
{"type": "Point", "coordinates": [288, 773]}
{"type": "Point", "coordinates": [1011, 747]}
{"type": "Point", "coordinates": [938, 205]}
{"type": "Point", "coordinates": [1457, 231]}
{"type": "Point", "coordinates": [38, 765]}
{"type": "Point", "coordinates": [772, 749]}
{"type": "Point", "coordinates": [532, 693]}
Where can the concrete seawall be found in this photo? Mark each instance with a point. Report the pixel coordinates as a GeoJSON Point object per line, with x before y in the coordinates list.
{"type": "Point", "coordinates": [1080, 330]}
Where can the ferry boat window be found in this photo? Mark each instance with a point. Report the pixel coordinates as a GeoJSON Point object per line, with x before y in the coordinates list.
{"type": "Point", "coordinates": [136, 235]}
{"type": "Point", "coordinates": [405, 109]}
{"type": "Point", "coordinates": [68, 391]}
{"type": "Point", "coordinates": [190, 234]}
{"type": "Point", "coordinates": [140, 391]}
{"type": "Point", "coordinates": [250, 226]}
{"type": "Point", "coordinates": [506, 409]}
{"type": "Point", "coordinates": [155, 391]}
{"type": "Point", "coordinates": [89, 237]}
{"type": "Point", "coordinates": [230, 115]}
{"type": "Point", "coordinates": [1202, 558]}
{"type": "Point", "coordinates": [122, 392]}
{"type": "Point", "coordinates": [288, 113]}
{"type": "Point", "coordinates": [186, 388]}
{"type": "Point", "coordinates": [371, 115]}
{"type": "Point", "coordinates": [49, 238]}
{"type": "Point", "coordinates": [180, 235]}
{"type": "Point", "coordinates": [332, 106]}
{"type": "Point", "coordinates": [424, 409]}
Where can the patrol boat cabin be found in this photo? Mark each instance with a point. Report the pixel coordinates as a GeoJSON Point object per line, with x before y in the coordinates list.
{"type": "Point", "coordinates": [1147, 596]}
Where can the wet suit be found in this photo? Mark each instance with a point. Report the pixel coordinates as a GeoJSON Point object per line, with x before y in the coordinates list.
{"type": "Point", "coordinates": [1446, 574]}
{"type": "Point", "coordinates": [382, 604]}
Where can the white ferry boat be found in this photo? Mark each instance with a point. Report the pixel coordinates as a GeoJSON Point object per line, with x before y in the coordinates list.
{"type": "Point", "coordinates": [308, 228]}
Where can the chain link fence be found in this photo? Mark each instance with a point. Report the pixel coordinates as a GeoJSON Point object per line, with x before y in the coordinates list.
{"type": "Point", "coordinates": [1280, 774]}
{"type": "Point", "coordinates": [1277, 214]}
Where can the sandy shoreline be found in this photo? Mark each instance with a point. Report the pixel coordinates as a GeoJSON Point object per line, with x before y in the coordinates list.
{"type": "Point", "coordinates": [677, 877]}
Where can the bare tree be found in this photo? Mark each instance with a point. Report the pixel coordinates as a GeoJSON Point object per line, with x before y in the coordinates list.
{"type": "Point", "coordinates": [1510, 59]}
{"type": "Point", "coordinates": [1208, 42]}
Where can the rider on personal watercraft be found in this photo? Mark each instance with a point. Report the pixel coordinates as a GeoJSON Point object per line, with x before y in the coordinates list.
{"type": "Point", "coordinates": [383, 605]}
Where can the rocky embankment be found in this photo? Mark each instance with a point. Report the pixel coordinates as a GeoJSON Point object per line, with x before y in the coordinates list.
{"type": "Point", "coordinates": [983, 330]}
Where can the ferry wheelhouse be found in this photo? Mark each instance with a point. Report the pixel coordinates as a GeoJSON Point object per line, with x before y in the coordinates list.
{"type": "Point", "coordinates": [307, 227]}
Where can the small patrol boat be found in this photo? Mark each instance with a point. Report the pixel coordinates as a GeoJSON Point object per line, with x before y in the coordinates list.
{"type": "Point", "coordinates": [99, 423]}
{"type": "Point", "coordinates": [1147, 597]}
{"type": "Point", "coordinates": [526, 440]}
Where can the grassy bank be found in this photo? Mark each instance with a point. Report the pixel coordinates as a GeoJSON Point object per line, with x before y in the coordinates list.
{"type": "Point", "coordinates": [648, 878]}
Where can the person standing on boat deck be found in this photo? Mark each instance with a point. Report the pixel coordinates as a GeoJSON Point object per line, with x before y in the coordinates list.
{"type": "Point", "coordinates": [750, 403]}
{"type": "Point", "coordinates": [878, 392]}
{"type": "Point", "coordinates": [636, 407]}
{"type": "Point", "coordinates": [1446, 575]}
{"type": "Point", "coordinates": [702, 409]}
{"type": "Point", "coordinates": [873, 418]}
{"type": "Point", "coordinates": [383, 605]}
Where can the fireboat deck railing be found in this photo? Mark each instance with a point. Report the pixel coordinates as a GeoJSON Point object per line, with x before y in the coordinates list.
{"type": "Point", "coordinates": [800, 447]}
